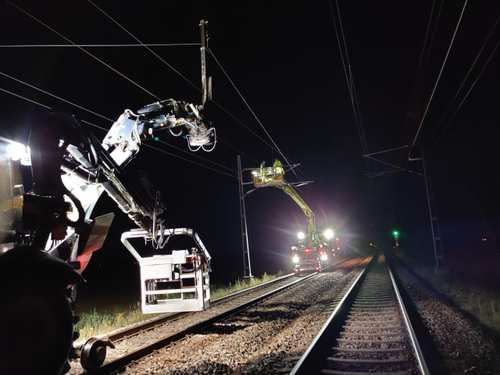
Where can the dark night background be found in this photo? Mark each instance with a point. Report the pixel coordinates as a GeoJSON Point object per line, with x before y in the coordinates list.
{"type": "Point", "coordinates": [285, 59]}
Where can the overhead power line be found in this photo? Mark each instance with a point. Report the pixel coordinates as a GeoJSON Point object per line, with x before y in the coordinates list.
{"type": "Point", "coordinates": [424, 115]}
{"type": "Point", "coordinates": [126, 45]}
{"type": "Point", "coordinates": [72, 43]}
{"type": "Point", "coordinates": [443, 123]}
{"type": "Point", "coordinates": [336, 17]}
{"type": "Point", "coordinates": [108, 119]}
{"type": "Point", "coordinates": [54, 96]}
{"type": "Point", "coordinates": [257, 119]}
{"type": "Point", "coordinates": [39, 21]}
{"type": "Point", "coordinates": [171, 67]}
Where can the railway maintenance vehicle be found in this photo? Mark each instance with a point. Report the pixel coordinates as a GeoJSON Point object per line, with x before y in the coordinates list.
{"type": "Point", "coordinates": [49, 187]}
{"type": "Point", "coordinates": [313, 251]}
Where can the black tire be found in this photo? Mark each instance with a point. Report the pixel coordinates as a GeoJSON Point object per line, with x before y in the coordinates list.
{"type": "Point", "coordinates": [36, 331]}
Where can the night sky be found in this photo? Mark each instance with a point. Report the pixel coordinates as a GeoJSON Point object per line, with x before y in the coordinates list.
{"type": "Point", "coordinates": [285, 59]}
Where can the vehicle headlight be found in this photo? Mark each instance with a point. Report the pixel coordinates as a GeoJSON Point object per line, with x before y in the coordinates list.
{"type": "Point", "coordinates": [328, 234]}
{"type": "Point", "coordinates": [295, 259]}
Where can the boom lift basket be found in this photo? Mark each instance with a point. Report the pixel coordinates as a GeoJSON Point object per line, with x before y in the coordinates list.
{"type": "Point", "coordinates": [268, 176]}
{"type": "Point", "coordinates": [175, 282]}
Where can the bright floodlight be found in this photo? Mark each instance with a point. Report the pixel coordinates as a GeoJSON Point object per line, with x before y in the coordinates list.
{"type": "Point", "coordinates": [18, 152]}
{"type": "Point", "coordinates": [328, 234]}
{"type": "Point", "coordinates": [295, 259]}
{"type": "Point", "coordinates": [301, 235]}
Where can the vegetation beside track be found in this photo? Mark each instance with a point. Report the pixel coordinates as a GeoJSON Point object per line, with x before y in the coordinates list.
{"type": "Point", "coordinates": [483, 304]}
{"type": "Point", "coordinates": [468, 283]}
{"type": "Point", "coordinates": [100, 321]}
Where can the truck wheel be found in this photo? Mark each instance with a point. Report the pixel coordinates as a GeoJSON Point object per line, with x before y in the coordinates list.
{"type": "Point", "coordinates": [36, 326]}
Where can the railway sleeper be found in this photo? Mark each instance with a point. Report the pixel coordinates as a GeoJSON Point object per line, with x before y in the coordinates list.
{"type": "Point", "coordinates": [372, 336]}
{"type": "Point", "coordinates": [371, 354]}
{"type": "Point", "coordinates": [340, 372]}
{"type": "Point", "coordinates": [369, 366]}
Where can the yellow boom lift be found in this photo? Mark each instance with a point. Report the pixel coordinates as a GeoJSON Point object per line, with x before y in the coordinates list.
{"type": "Point", "coordinates": [311, 253]}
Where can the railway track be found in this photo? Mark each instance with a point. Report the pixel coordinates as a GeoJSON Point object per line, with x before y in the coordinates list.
{"type": "Point", "coordinates": [139, 340]}
{"type": "Point", "coordinates": [120, 362]}
{"type": "Point", "coordinates": [369, 332]}
{"type": "Point", "coordinates": [92, 352]}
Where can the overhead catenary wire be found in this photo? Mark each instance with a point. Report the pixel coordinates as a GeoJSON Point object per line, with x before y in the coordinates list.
{"type": "Point", "coordinates": [443, 121]}
{"type": "Point", "coordinates": [430, 33]}
{"type": "Point", "coordinates": [22, 10]}
{"type": "Point", "coordinates": [32, 101]}
{"type": "Point", "coordinates": [257, 119]}
{"type": "Point", "coordinates": [18, 80]}
{"type": "Point", "coordinates": [142, 43]}
{"type": "Point", "coordinates": [427, 36]}
{"type": "Point", "coordinates": [54, 96]}
{"type": "Point", "coordinates": [227, 112]}
{"type": "Point", "coordinates": [171, 67]}
{"type": "Point", "coordinates": [485, 65]}
{"type": "Point", "coordinates": [346, 65]}
{"type": "Point", "coordinates": [123, 45]}
{"type": "Point", "coordinates": [424, 115]}
{"type": "Point", "coordinates": [101, 61]}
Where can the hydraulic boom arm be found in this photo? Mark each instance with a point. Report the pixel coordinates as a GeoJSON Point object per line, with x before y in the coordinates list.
{"type": "Point", "coordinates": [275, 177]}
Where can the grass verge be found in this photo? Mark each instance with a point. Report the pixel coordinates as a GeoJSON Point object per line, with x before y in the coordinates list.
{"type": "Point", "coordinates": [100, 321]}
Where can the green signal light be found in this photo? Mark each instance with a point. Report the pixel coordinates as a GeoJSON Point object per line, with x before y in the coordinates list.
{"type": "Point", "coordinates": [395, 233]}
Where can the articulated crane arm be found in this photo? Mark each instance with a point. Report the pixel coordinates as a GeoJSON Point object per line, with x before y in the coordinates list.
{"type": "Point", "coordinates": [275, 177]}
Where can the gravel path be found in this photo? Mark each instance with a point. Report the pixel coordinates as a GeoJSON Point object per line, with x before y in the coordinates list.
{"type": "Point", "coordinates": [265, 339]}
{"type": "Point", "coordinates": [465, 347]}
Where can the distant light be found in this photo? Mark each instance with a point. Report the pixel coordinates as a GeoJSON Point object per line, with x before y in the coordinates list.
{"type": "Point", "coordinates": [323, 257]}
{"type": "Point", "coordinates": [484, 239]}
{"type": "Point", "coordinates": [395, 233]}
{"type": "Point", "coordinates": [295, 259]}
{"type": "Point", "coordinates": [18, 152]}
{"type": "Point", "coordinates": [255, 173]}
{"type": "Point", "coordinates": [301, 235]}
{"type": "Point", "coordinates": [294, 248]}
{"type": "Point", "coordinates": [328, 234]}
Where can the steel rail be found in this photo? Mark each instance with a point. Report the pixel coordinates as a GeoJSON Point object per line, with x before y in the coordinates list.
{"type": "Point", "coordinates": [419, 356]}
{"type": "Point", "coordinates": [128, 331]}
{"type": "Point", "coordinates": [317, 351]}
{"type": "Point", "coordinates": [144, 350]}
{"type": "Point", "coordinates": [341, 306]}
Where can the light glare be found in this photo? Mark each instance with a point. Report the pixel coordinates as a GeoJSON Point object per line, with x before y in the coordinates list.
{"type": "Point", "coordinates": [328, 234]}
